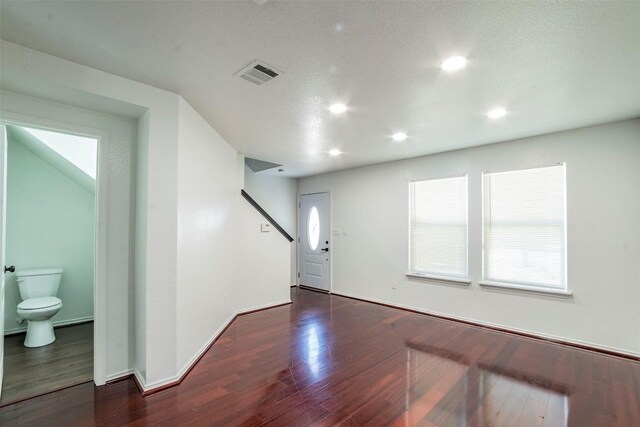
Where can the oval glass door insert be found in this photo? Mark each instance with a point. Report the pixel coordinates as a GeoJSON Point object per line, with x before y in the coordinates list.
{"type": "Point", "coordinates": [313, 228]}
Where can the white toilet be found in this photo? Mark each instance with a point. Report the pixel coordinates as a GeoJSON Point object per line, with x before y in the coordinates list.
{"type": "Point", "coordinates": [38, 290]}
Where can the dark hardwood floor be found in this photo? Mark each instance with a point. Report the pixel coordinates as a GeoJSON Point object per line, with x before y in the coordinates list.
{"type": "Point", "coordinates": [30, 372]}
{"type": "Point", "coordinates": [328, 360]}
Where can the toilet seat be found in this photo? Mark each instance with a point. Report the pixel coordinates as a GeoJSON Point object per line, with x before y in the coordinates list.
{"type": "Point", "coordinates": [39, 303]}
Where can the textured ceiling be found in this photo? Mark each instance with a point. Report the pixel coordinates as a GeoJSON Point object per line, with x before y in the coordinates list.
{"type": "Point", "coordinates": [555, 66]}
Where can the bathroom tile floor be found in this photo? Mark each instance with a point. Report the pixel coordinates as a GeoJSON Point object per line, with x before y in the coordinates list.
{"type": "Point", "coordinates": [31, 372]}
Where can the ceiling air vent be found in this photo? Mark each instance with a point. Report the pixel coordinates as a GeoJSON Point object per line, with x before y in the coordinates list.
{"type": "Point", "coordinates": [258, 73]}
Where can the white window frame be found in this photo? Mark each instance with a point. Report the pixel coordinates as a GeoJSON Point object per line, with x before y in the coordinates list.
{"type": "Point", "coordinates": [453, 279]}
{"type": "Point", "coordinates": [524, 286]}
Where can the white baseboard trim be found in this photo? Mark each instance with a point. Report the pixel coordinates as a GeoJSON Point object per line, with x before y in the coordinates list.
{"type": "Point", "coordinates": [56, 324]}
{"type": "Point", "coordinates": [262, 307]}
{"type": "Point", "coordinates": [120, 375]}
{"type": "Point", "coordinates": [206, 345]}
{"type": "Point", "coordinates": [168, 382]}
{"type": "Point", "coordinates": [138, 379]}
{"type": "Point", "coordinates": [221, 329]}
{"type": "Point", "coordinates": [549, 337]}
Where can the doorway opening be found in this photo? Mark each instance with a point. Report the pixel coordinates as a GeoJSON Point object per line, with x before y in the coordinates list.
{"type": "Point", "coordinates": [49, 252]}
{"type": "Point", "coordinates": [314, 243]}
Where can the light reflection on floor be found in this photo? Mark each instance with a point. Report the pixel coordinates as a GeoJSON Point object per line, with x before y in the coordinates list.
{"type": "Point", "coordinates": [444, 387]}
{"type": "Point", "coordinates": [314, 351]}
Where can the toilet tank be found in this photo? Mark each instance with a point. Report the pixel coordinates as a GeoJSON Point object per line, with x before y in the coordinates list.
{"type": "Point", "coordinates": [37, 283]}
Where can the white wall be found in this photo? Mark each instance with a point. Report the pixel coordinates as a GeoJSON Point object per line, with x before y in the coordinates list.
{"type": "Point", "coordinates": [279, 197]}
{"type": "Point", "coordinates": [38, 74]}
{"type": "Point", "coordinates": [120, 215]}
{"type": "Point", "coordinates": [603, 181]}
{"type": "Point", "coordinates": [206, 232]}
{"type": "Point", "coordinates": [262, 262]}
{"type": "Point", "coordinates": [217, 233]}
{"type": "Point", "coordinates": [50, 223]}
{"type": "Point", "coordinates": [143, 319]}
{"type": "Point", "coordinates": [139, 364]}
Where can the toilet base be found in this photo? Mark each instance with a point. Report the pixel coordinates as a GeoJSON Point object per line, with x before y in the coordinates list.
{"type": "Point", "coordinates": [39, 333]}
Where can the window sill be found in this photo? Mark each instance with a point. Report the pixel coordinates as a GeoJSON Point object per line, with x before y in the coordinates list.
{"type": "Point", "coordinates": [458, 281]}
{"type": "Point", "coordinates": [525, 288]}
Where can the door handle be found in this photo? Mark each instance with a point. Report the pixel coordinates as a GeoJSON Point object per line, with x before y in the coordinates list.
{"type": "Point", "coordinates": [10, 269]}
{"type": "Point", "coordinates": [325, 250]}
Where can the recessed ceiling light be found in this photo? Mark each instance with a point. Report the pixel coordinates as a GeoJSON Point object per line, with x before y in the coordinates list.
{"type": "Point", "coordinates": [335, 152]}
{"type": "Point", "coordinates": [399, 136]}
{"type": "Point", "coordinates": [497, 113]}
{"type": "Point", "coordinates": [338, 108]}
{"type": "Point", "coordinates": [454, 63]}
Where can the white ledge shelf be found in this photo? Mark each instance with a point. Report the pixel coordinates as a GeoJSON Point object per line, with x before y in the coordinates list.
{"type": "Point", "coordinates": [525, 288]}
{"type": "Point", "coordinates": [455, 280]}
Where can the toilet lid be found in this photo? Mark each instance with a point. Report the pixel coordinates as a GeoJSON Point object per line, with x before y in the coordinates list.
{"type": "Point", "coordinates": [36, 303]}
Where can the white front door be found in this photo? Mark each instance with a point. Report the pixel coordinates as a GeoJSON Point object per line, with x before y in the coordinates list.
{"type": "Point", "coordinates": [314, 260]}
{"type": "Point", "coordinates": [3, 175]}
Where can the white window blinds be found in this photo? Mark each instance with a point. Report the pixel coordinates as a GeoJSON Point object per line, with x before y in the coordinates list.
{"type": "Point", "coordinates": [438, 234]}
{"type": "Point", "coordinates": [524, 227]}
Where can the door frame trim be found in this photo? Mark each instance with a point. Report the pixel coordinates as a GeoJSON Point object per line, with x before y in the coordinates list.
{"type": "Point", "coordinates": [297, 242]}
{"type": "Point", "coordinates": [101, 226]}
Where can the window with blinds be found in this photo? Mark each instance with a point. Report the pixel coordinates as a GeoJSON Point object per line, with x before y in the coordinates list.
{"type": "Point", "coordinates": [524, 227]}
{"type": "Point", "coordinates": [438, 229]}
